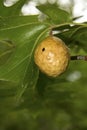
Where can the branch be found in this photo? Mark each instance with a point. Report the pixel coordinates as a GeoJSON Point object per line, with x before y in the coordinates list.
{"type": "Point", "coordinates": [79, 57]}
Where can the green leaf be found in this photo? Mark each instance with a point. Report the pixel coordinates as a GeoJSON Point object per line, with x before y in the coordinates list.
{"type": "Point", "coordinates": [55, 14]}
{"type": "Point", "coordinates": [6, 49]}
{"type": "Point", "coordinates": [73, 36]}
{"type": "Point", "coordinates": [25, 33]}
{"type": "Point", "coordinates": [79, 37]}
{"type": "Point", "coordinates": [17, 21]}
{"type": "Point", "coordinates": [65, 32]}
{"type": "Point", "coordinates": [12, 10]}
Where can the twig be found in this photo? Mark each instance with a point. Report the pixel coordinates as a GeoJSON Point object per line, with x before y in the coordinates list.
{"type": "Point", "coordinates": [79, 57]}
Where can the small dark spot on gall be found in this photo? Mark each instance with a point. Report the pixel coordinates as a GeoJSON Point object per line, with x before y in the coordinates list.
{"type": "Point", "coordinates": [43, 49]}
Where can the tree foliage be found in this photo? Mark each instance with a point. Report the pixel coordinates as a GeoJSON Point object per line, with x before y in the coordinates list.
{"type": "Point", "coordinates": [28, 98]}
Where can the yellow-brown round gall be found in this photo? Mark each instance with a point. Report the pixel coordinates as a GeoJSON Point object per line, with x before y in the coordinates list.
{"type": "Point", "coordinates": [52, 56]}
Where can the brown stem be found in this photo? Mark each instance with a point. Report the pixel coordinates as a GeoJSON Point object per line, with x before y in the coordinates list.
{"type": "Point", "coordinates": [51, 32]}
{"type": "Point", "coordinates": [79, 57]}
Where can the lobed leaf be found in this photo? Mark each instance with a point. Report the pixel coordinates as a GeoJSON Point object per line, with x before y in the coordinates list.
{"type": "Point", "coordinates": [20, 68]}
{"type": "Point", "coordinates": [13, 10]}
{"type": "Point", "coordinates": [55, 14]}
